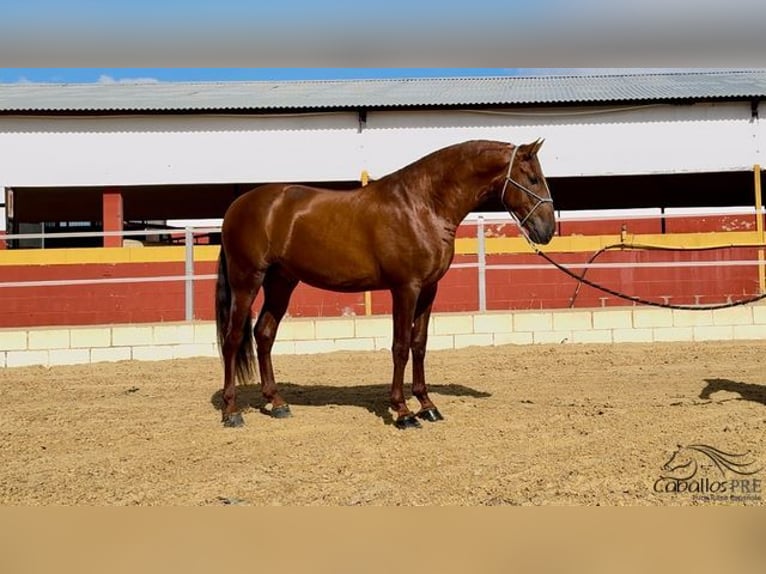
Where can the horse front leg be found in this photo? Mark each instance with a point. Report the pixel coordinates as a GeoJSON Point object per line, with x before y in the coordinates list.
{"type": "Point", "coordinates": [405, 300]}
{"type": "Point", "coordinates": [428, 410]}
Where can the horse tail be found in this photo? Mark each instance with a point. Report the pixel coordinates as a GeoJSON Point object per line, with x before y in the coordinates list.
{"type": "Point", "coordinates": [244, 359]}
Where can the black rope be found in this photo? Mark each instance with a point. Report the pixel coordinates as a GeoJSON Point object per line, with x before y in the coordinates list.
{"type": "Point", "coordinates": [635, 299]}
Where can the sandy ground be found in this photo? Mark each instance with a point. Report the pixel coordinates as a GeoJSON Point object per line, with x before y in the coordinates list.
{"type": "Point", "coordinates": [566, 424]}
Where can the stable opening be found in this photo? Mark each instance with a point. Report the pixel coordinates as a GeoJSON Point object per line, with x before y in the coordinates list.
{"type": "Point", "coordinates": [168, 207]}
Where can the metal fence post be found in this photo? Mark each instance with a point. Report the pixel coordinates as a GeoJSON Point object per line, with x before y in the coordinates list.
{"type": "Point", "coordinates": [189, 274]}
{"type": "Point", "coordinates": [481, 255]}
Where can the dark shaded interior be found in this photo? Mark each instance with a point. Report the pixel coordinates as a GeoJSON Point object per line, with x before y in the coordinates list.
{"type": "Point", "coordinates": [62, 209]}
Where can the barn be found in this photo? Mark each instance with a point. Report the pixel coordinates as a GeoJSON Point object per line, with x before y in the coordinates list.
{"type": "Point", "coordinates": [112, 197]}
{"type": "Point", "coordinates": [112, 192]}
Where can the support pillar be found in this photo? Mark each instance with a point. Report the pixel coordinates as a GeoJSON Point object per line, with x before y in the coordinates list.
{"type": "Point", "coordinates": [367, 294]}
{"type": "Point", "coordinates": [111, 207]}
{"type": "Point", "coordinates": [759, 227]}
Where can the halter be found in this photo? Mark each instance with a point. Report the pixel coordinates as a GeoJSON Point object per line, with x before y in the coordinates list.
{"type": "Point", "coordinates": [540, 200]}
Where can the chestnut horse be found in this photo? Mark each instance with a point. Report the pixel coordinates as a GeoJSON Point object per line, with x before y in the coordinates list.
{"type": "Point", "coordinates": [397, 233]}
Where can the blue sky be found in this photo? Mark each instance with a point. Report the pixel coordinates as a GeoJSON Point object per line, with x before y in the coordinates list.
{"type": "Point", "coordinates": [174, 13]}
{"type": "Point", "coordinates": [109, 75]}
{"type": "Point", "coordinates": [393, 33]}
{"type": "Point", "coordinates": [78, 75]}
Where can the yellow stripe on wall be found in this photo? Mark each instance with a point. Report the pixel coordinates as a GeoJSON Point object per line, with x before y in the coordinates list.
{"type": "Point", "coordinates": [105, 255]}
{"type": "Point", "coordinates": [463, 246]}
{"type": "Point", "coordinates": [591, 243]}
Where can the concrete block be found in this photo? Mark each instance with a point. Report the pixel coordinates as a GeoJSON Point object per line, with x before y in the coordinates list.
{"type": "Point", "coordinates": [2, 359]}
{"type": "Point", "coordinates": [592, 336]}
{"type": "Point", "coordinates": [549, 337]}
{"type": "Point", "coordinates": [89, 338]}
{"type": "Point", "coordinates": [152, 352]}
{"type": "Point", "coordinates": [282, 348]}
{"type": "Point", "coordinates": [524, 338]}
{"type": "Point", "coordinates": [373, 326]}
{"type": "Point", "coordinates": [313, 347]}
{"type": "Point", "coordinates": [613, 319]}
{"type": "Point", "coordinates": [356, 344]}
{"type": "Point", "coordinates": [48, 339]}
{"type": "Point", "coordinates": [189, 350]}
{"type": "Point", "coordinates": [456, 324]}
{"type": "Point", "coordinates": [474, 340]}
{"type": "Point", "coordinates": [13, 340]}
{"type": "Point", "coordinates": [759, 314]}
{"type": "Point", "coordinates": [632, 335]}
{"type": "Point", "coordinates": [131, 335]}
{"type": "Point", "coordinates": [742, 315]}
{"type": "Point", "coordinates": [69, 357]}
{"type": "Point", "coordinates": [205, 333]}
{"type": "Point", "coordinates": [441, 342]}
{"type": "Point", "coordinates": [683, 318]}
{"type": "Point", "coordinates": [26, 358]}
{"type": "Point", "coordinates": [672, 334]}
{"type": "Point", "coordinates": [753, 332]}
{"type": "Point", "coordinates": [532, 321]}
{"type": "Point", "coordinates": [493, 323]}
{"type": "Point", "coordinates": [173, 334]}
{"type": "Point", "coordinates": [110, 354]}
{"type": "Point", "coordinates": [296, 330]}
{"type": "Point", "coordinates": [572, 321]}
{"type": "Point", "coordinates": [384, 343]}
{"type": "Point", "coordinates": [719, 333]}
{"type": "Point", "coordinates": [652, 317]}
{"type": "Point", "coordinates": [334, 328]}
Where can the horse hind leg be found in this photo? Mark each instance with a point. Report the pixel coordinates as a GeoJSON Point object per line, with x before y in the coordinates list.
{"type": "Point", "coordinates": [277, 289]}
{"type": "Point", "coordinates": [235, 349]}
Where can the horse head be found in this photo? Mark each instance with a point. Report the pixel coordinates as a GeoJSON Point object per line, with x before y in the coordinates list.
{"type": "Point", "coordinates": [525, 193]}
{"type": "Point", "coordinates": [681, 465]}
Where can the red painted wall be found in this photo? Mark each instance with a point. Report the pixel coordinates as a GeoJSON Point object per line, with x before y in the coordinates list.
{"type": "Point", "coordinates": [458, 290]}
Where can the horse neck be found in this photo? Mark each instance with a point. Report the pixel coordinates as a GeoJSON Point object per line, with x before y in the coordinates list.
{"type": "Point", "coordinates": [457, 181]}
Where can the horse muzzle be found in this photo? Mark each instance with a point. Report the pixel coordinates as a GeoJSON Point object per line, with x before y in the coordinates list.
{"type": "Point", "coordinates": [541, 229]}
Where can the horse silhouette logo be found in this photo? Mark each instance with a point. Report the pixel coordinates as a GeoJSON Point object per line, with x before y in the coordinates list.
{"type": "Point", "coordinates": [686, 461]}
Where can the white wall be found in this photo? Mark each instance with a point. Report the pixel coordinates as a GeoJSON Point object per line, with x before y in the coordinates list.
{"type": "Point", "coordinates": [147, 342]}
{"type": "Point", "coordinates": [218, 149]}
{"type": "Point", "coordinates": [581, 141]}
{"type": "Point", "coordinates": [177, 149]}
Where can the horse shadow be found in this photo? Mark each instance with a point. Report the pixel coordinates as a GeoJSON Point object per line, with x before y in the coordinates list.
{"type": "Point", "coordinates": [747, 391]}
{"type": "Point", "coordinates": [374, 398]}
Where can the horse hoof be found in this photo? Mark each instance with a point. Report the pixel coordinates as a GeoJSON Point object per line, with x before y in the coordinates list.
{"type": "Point", "coordinates": [431, 415]}
{"type": "Point", "coordinates": [407, 422]}
{"type": "Point", "coordinates": [233, 420]}
{"type": "Point", "coordinates": [281, 412]}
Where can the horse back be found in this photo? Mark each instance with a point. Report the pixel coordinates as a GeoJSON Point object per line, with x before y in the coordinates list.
{"type": "Point", "coordinates": [339, 240]}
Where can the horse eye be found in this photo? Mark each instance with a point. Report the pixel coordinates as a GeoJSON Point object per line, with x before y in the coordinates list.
{"type": "Point", "coordinates": [533, 180]}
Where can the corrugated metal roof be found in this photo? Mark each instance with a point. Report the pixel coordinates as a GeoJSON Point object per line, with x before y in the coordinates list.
{"type": "Point", "coordinates": [264, 96]}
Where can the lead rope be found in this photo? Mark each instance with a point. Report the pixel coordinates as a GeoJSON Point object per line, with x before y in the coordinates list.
{"type": "Point", "coordinates": [634, 298]}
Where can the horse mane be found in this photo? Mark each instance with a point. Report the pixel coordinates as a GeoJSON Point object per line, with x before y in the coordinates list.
{"type": "Point", "coordinates": [723, 459]}
{"type": "Point", "coordinates": [475, 147]}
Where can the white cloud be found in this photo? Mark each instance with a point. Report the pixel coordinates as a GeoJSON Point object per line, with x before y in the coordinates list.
{"type": "Point", "coordinates": [105, 79]}
{"type": "Point", "coordinates": [610, 71]}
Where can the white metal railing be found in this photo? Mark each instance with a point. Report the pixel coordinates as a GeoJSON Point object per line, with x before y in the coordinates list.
{"type": "Point", "coordinates": [479, 220]}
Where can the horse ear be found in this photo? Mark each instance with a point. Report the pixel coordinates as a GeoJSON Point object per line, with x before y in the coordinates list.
{"type": "Point", "coordinates": [537, 145]}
